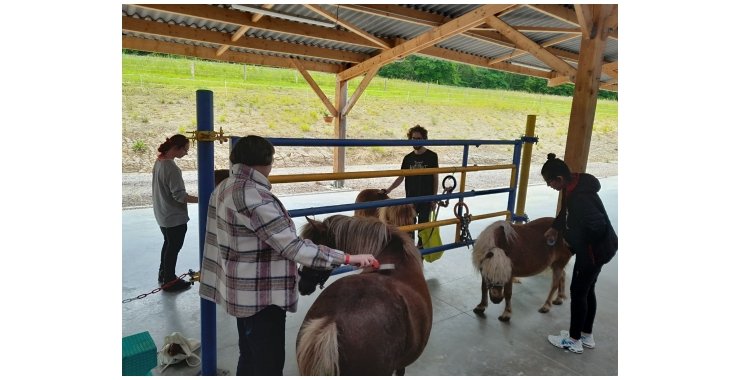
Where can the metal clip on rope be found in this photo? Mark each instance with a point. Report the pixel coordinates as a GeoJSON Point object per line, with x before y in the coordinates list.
{"type": "Point", "coordinates": [465, 219]}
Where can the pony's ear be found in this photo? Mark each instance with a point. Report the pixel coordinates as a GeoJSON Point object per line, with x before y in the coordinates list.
{"type": "Point", "coordinates": [317, 225]}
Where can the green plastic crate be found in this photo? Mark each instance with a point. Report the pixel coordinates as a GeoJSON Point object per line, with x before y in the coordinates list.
{"type": "Point", "coordinates": [139, 354]}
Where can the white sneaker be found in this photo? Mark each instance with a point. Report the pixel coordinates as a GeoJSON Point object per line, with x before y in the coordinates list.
{"type": "Point", "coordinates": [588, 340]}
{"type": "Point", "coordinates": [566, 342]}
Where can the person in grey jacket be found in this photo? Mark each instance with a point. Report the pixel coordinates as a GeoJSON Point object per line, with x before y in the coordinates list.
{"type": "Point", "coordinates": [170, 208]}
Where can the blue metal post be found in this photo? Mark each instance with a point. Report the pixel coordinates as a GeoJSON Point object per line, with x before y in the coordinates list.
{"type": "Point", "coordinates": [204, 105]}
{"type": "Point", "coordinates": [516, 161]}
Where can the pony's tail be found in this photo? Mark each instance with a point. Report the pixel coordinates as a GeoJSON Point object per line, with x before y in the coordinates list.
{"type": "Point", "coordinates": [318, 351]}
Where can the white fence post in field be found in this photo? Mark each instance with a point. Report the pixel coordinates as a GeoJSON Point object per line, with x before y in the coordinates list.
{"type": "Point", "coordinates": [192, 70]}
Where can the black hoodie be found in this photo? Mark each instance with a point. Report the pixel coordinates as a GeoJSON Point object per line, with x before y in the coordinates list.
{"type": "Point", "coordinates": [581, 217]}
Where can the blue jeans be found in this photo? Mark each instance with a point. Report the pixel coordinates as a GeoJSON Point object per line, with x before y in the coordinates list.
{"type": "Point", "coordinates": [262, 343]}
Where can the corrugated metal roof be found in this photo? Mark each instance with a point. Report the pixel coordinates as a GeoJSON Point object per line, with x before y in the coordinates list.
{"type": "Point", "coordinates": [225, 19]}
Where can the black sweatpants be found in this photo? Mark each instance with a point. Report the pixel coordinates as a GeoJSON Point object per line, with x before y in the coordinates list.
{"type": "Point", "coordinates": [262, 343]}
{"type": "Point", "coordinates": [583, 295]}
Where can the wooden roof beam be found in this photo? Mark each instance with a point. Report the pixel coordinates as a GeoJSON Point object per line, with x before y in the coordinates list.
{"type": "Point", "coordinates": [243, 29]}
{"type": "Point", "coordinates": [410, 15]}
{"type": "Point", "coordinates": [532, 47]}
{"type": "Point", "coordinates": [201, 35]}
{"type": "Point", "coordinates": [234, 17]}
{"type": "Point", "coordinates": [203, 52]}
{"type": "Point", "coordinates": [359, 90]}
{"type": "Point", "coordinates": [610, 69]}
{"type": "Point", "coordinates": [351, 27]}
{"type": "Point", "coordinates": [429, 38]}
{"type": "Point", "coordinates": [518, 52]}
{"type": "Point", "coordinates": [561, 13]}
{"type": "Point", "coordinates": [315, 86]}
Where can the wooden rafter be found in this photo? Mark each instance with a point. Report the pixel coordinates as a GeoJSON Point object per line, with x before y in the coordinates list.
{"type": "Point", "coordinates": [200, 35]}
{"type": "Point", "coordinates": [429, 38]}
{"type": "Point", "coordinates": [518, 53]}
{"type": "Point", "coordinates": [330, 107]}
{"type": "Point", "coordinates": [229, 56]}
{"type": "Point", "coordinates": [234, 17]}
{"type": "Point", "coordinates": [562, 13]}
{"type": "Point", "coordinates": [584, 13]}
{"type": "Point", "coordinates": [351, 27]}
{"type": "Point", "coordinates": [410, 15]}
{"type": "Point", "coordinates": [532, 47]}
{"type": "Point", "coordinates": [243, 29]}
{"type": "Point", "coordinates": [610, 69]}
{"type": "Point", "coordinates": [358, 91]}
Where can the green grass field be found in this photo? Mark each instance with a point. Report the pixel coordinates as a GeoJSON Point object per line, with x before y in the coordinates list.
{"type": "Point", "coordinates": [159, 100]}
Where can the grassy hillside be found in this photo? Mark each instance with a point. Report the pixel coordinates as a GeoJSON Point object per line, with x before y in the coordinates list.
{"type": "Point", "coordinates": [158, 100]}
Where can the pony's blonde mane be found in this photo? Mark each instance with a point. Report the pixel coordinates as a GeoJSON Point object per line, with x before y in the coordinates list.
{"type": "Point", "coordinates": [498, 267]}
{"type": "Point", "coordinates": [365, 235]}
{"type": "Point", "coordinates": [401, 215]}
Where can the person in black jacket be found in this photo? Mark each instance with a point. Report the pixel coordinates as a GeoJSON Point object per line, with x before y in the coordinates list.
{"type": "Point", "coordinates": [583, 222]}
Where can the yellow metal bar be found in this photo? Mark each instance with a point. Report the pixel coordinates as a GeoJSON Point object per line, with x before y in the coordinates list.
{"type": "Point", "coordinates": [526, 161]}
{"type": "Point", "coordinates": [446, 222]}
{"type": "Point", "coordinates": [290, 178]}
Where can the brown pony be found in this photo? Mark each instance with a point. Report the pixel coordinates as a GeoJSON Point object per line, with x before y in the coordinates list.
{"type": "Point", "coordinates": [375, 322]}
{"type": "Point", "coordinates": [369, 195]}
{"type": "Point", "coordinates": [400, 215]}
{"type": "Point", "coordinates": [503, 251]}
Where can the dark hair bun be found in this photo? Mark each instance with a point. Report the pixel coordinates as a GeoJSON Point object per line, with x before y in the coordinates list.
{"type": "Point", "coordinates": [551, 156]}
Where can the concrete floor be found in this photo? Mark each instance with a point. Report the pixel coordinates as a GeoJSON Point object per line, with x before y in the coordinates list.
{"type": "Point", "coordinates": [461, 343]}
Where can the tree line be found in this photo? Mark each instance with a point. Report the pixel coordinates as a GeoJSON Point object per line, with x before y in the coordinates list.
{"type": "Point", "coordinates": [422, 69]}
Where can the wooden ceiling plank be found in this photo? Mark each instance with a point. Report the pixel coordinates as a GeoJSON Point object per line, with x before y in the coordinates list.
{"type": "Point", "coordinates": [315, 86]}
{"type": "Point", "coordinates": [351, 27]}
{"type": "Point", "coordinates": [532, 47]}
{"type": "Point", "coordinates": [202, 52]}
{"type": "Point", "coordinates": [429, 38]}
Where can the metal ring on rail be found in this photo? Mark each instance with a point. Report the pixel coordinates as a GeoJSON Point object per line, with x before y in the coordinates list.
{"type": "Point", "coordinates": [447, 190]}
{"type": "Point", "coordinates": [459, 206]}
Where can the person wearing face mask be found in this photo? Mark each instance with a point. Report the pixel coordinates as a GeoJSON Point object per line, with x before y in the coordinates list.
{"type": "Point", "coordinates": [419, 185]}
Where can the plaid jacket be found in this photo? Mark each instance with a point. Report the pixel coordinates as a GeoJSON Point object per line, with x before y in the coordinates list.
{"type": "Point", "coordinates": [251, 248]}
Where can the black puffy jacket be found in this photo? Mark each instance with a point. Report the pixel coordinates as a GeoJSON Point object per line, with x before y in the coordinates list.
{"type": "Point", "coordinates": [581, 219]}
